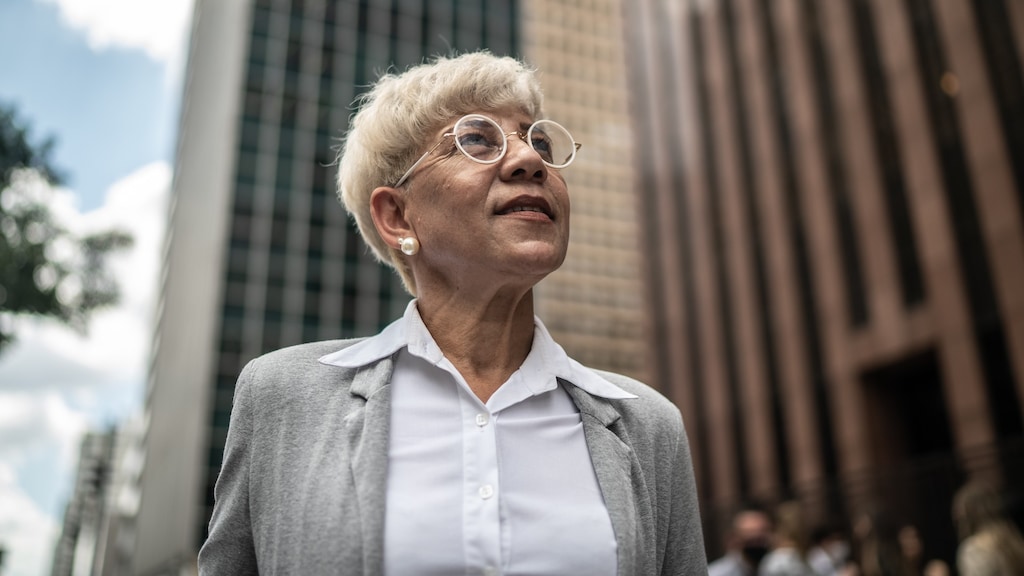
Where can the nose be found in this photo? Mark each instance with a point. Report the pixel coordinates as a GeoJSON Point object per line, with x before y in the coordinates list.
{"type": "Point", "coordinates": [521, 161]}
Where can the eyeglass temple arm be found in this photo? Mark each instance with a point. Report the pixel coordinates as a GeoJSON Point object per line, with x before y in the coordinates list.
{"type": "Point", "coordinates": [420, 161]}
{"type": "Point", "coordinates": [575, 150]}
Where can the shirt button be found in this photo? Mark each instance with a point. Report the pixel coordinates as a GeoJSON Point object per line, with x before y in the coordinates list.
{"type": "Point", "coordinates": [482, 419]}
{"type": "Point", "coordinates": [486, 491]}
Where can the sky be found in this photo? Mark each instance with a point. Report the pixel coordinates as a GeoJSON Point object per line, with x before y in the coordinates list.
{"type": "Point", "coordinates": [103, 77]}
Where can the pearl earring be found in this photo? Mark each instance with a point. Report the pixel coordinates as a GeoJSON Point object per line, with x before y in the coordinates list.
{"type": "Point", "coordinates": [409, 246]}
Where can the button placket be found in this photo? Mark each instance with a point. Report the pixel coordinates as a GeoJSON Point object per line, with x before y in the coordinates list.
{"type": "Point", "coordinates": [489, 487]}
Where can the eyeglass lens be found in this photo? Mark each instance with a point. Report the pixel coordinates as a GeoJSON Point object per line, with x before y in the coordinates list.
{"type": "Point", "coordinates": [483, 140]}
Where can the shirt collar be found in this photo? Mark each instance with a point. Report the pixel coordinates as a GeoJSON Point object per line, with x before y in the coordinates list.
{"type": "Point", "coordinates": [546, 363]}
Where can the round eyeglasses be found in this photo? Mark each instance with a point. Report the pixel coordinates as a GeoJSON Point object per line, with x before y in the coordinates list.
{"type": "Point", "coordinates": [482, 140]}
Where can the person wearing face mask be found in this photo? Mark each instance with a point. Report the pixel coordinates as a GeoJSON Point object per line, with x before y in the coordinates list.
{"type": "Point", "coordinates": [749, 541]}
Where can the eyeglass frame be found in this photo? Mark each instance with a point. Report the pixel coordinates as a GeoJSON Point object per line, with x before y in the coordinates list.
{"type": "Point", "coordinates": [524, 136]}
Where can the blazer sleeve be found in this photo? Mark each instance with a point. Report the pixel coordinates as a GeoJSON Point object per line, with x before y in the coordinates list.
{"type": "Point", "coordinates": [684, 554]}
{"type": "Point", "coordinates": [230, 549]}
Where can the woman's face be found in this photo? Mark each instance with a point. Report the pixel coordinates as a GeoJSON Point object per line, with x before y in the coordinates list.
{"type": "Point", "coordinates": [506, 222]}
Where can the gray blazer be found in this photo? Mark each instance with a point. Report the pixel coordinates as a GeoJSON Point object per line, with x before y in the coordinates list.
{"type": "Point", "coordinates": [302, 487]}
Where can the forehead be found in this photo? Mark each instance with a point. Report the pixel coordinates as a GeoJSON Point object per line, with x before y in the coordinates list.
{"type": "Point", "coordinates": [506, 118]}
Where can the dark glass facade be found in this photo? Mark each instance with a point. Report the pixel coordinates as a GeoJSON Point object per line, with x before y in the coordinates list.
{"type": "Point", "coordinates": [297, 270]}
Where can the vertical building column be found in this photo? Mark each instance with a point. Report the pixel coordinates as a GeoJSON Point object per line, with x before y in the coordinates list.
{"type": "Point", "coordinates": [854, 123]}
{"type": "Point", "coordinates": [660, 198]}
{"type": "Point", "coordinates": [947, 304]}
{"type": "Point", "coordinates": [753, 394]}
{"type": "Point", "coordinates": [994, 186]}
{"type": "Point", "coordinates": [1015, 11]}
{"type": "Point", "coordinates": [749, 393]}
{"type": "Point", "coordinates": [830, 298]}
{"type": "Point", "coordinates": [721, 441]}
{"type": "Point", "coordinates": [789, 335]}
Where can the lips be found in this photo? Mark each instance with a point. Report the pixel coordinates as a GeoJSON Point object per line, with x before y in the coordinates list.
{"type": "Point", "coordinates": [526, 204]}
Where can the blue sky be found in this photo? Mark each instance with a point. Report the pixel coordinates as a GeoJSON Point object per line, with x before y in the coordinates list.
{"type": "Point", "coordinates": [103, 78]}
{"type": "Point", "coordinates": [109, 109]}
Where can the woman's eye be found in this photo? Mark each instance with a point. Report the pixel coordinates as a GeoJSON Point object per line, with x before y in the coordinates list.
{"type": "Point", "coordinates": [481, 144]}
{"type": "Point", "coordinates": [474, 139]}
{"type": "Point", "coordinates": [542, 144]}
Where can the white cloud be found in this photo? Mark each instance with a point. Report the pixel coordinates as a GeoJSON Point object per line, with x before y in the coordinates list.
{"type": "Point", "coordinates": [55, 383]}
{"type": "Point", "coordinates": [35, 428]}
{"type": "Point", "coordinates": [137, 204]}
{"type": "Point", "coordinates": [116, 344]}
{"type": "Point", "coordinates": [159, 27]}
{"type": "Point", "coordinates": [27, 533]}
{"type": "Point", "coordinates": [38, 422]}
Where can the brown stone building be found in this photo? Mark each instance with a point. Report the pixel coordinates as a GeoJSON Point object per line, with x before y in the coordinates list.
{"type": "Point", "coordinates": [832, 204]}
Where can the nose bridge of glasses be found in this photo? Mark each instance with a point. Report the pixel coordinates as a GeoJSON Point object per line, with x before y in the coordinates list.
{"type": "Point", "coordinates": [522, 135]}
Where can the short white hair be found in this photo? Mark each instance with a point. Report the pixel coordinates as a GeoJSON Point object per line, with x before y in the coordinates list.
{"type": "Point", "coordinates": [398, 115]}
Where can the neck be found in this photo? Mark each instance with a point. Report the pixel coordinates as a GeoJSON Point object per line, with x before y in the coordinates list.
{"type": "Point", "coordinates": [485, 339]}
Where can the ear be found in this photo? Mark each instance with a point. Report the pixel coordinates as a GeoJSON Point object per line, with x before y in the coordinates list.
{"type": "Point", "coordinates": [387, 206]}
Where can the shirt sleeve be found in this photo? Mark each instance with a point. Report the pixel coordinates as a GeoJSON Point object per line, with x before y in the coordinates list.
{"type": "Point", "coordinates": [229, 549]}
{"type": "Point", "coordinates": [684, 554]}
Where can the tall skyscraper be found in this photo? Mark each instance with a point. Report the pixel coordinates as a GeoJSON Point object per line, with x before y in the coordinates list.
{"type": "Point", "coordinates": [86, 511]}
{"type": "Point", "coordinates": [260, 253]}
{"type": "Point", "coordinates": [833, 200]}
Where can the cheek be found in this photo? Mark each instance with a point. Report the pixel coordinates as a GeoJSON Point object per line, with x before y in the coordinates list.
{"type": "Point", "coordinates": [565, 199]}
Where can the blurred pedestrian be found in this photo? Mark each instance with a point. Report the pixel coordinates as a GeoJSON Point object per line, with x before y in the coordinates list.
{"type": "Point", "coordinates": [936, 568]}
{"type": "Point", "coordinates": [912, 558]}
{"type": "Point", "coordinates": [990, 543]}
{"type": "Point", "coordinates": [875, 551]}
{"type": "Point", "coordinates": [911, 550]}
{"type": "Point", "coordinates": [830, 550]}
{"type": "Point", "coordinates": [791, 543]}
{"type": "Point", "coordinates": [748, 541]}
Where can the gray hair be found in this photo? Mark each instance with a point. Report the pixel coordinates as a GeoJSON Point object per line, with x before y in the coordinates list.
{"type": "Point", "coordinates": [401, 111]}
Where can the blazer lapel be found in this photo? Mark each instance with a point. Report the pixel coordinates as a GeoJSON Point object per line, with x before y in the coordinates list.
{"type": "Point", "coordinates": [618, 474]}
{"type": "Point", "coordinates": [366, 426]}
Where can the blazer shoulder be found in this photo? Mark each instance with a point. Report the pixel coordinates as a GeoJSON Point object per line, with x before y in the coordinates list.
{"type": "Point", "coordinates": [649, 397]}
{"type": "Point", "coordinates": [295, 357]}
{"type": "Point", "coordinates": [290, 384]}
{"type": "Point", "coordinates": [650, 410]}
{"type": "Point", "coordinates": [280, 370]}
{"type": "Point", "coordinates": [309, 350]}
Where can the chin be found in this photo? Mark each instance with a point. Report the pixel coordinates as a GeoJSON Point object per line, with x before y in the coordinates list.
{"type": "Point", "coordinates": [545, 254]}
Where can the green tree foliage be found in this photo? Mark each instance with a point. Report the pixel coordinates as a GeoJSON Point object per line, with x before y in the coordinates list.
{"type": "Point", "coordinates": [45, 269]}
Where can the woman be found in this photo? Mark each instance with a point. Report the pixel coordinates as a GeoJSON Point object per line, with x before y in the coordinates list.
{"type": "Point", "coordinates": [789, 555]}
{"type": "Point", "coordinates": [461, 439]}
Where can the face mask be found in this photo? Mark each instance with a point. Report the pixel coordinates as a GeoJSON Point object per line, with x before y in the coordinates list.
{"type": "Point", "coordinates": [754, 552]}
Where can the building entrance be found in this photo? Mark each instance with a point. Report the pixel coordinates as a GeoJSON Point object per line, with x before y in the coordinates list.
{"type": "Point", "coordinates": [912, 444]}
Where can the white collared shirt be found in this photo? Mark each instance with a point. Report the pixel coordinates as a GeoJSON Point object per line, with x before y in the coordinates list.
{"type": "Point", "coordinates": [505, 487]}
